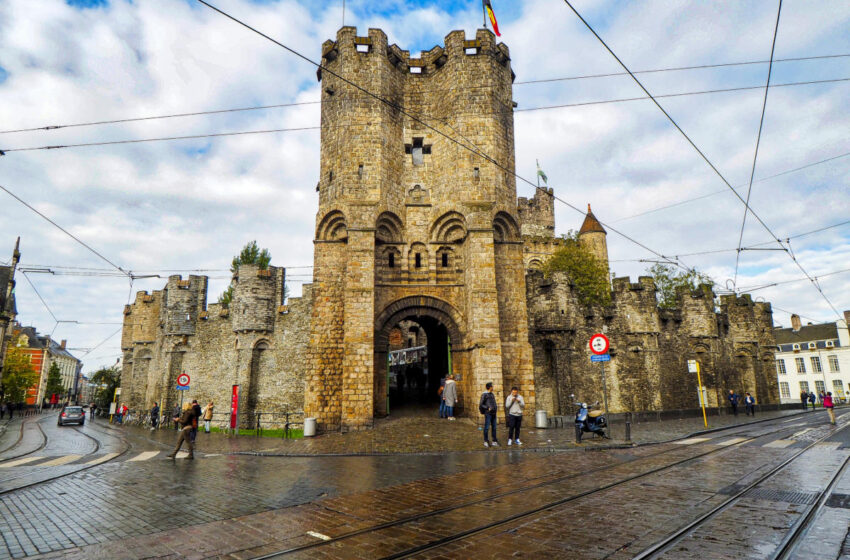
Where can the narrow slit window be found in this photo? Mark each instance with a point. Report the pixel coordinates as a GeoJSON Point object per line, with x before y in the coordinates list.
{"type": "Point", "coordinates": [418, 152]}
{"type": "Point", "coordinates": [418, 260]}
{"type": "Point", "coordinates": [445, 260]}
{"type": "Point", "coordinates": [392, 260]}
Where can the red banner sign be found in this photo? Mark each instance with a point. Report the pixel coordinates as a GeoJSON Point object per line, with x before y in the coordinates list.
{"type": "Point", "coordinates": [234, 406]}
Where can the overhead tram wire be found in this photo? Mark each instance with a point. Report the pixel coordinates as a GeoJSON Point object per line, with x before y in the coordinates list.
{"type": "Point", "coordinates": [44, 303]}
{"type": "Point", "coordinates": [263, 107]}
{"type": "Point", "coordinates": [687, 200]}
{"type": "Point", "coordinates": [758, 142]}
{"type": "Point", "coordinates": [65, 231]}
{"type": "Point", "coordinates": [703, 156]}
{"type": "Point", "coordinates": [405, 112]}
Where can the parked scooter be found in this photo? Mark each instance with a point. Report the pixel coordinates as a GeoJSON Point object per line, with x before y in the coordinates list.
{"type": "Point", "coordinates": [592, 421]}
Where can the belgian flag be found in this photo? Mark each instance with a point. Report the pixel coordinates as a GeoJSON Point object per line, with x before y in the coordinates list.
{"type": "Point", "coordinates": [488, 9]}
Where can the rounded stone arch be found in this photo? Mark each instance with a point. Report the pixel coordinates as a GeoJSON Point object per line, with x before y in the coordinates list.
{"type": "Point", "coordinates": [144, 354]}
{"type": "Point", "coordinates": [262, 344]}
{"type": "Point", "coordinates": [449, 228]}
{"type": "Point", "coordinates": [418, 306]}
{"type": "Point", "coordinates": [535, 264]}
{"type": "Point", "coordinates": [332, 227]}
{"type": "Point", "coordinates": [505, 228]}
{"type": "Point", "coordinates": [389, 228]}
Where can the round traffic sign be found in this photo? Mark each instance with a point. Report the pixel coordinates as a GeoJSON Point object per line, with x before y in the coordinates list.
{"type": "Point", "coordinates": [599, 344]}
{"type": "Point", "coordinates": [183, 379]}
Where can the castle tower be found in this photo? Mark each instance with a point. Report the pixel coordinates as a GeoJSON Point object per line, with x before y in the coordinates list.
{"type": "Point", "coordinates": [412, 226]}
{"type": "Point", "coordinates": [594, 237]}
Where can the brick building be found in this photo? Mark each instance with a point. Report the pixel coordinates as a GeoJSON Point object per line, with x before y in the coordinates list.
{"type": "Point", "coordinates": [8, 310]}
{"type": "Point", "coordinates": [415, 234]}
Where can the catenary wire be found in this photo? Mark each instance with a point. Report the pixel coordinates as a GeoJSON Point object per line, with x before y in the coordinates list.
{"type": "Point", "coordinates": [295, 104]}
{"type": "Point", "coordinates": [44, 303]}
{"type": "Point", "coordinates": [702, 155]}
{"type": "Point", "coordinates": [403, 111]}
{"type": "Point", "coordinates": [504, 111]}
{"type": "Point", "coordinates": [102, 342]}
{"type": "Point", "coordinates": [758, 142]}
{"type": "Point", "coordinates": [687, 200]}
{"type": "Point", "coordinates": [63, 230]}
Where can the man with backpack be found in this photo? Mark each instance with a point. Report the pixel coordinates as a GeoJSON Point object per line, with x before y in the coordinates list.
{"type": "Point", "coordinates": [733, 400]}
{"type": "Point", "coordinates": [750, 403]}
{"type": "Point", "coordinates": [488, 407]}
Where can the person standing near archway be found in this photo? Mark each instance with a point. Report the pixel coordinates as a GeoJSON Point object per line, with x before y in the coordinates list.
{"type": "Point", "coordinates": [450, 396]}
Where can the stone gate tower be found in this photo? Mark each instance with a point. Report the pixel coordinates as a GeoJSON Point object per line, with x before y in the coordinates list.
{"type": "Point", "coordinates": [412, 226]}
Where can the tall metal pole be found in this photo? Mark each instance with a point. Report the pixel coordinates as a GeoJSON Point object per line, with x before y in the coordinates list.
{"type": "Point", "coordinates": [343, 13]}
{"type": "Point", "coordinates": [604, 389]}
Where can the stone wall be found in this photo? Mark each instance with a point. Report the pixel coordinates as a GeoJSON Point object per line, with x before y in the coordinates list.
{"type": "Point", "coordinates": [258, 344]}
{"type": "Point", "coordinates": [649, 346]}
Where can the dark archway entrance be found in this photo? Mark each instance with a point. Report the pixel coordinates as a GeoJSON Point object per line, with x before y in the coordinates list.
{"type": "Point", "coordinates": [417, 343]}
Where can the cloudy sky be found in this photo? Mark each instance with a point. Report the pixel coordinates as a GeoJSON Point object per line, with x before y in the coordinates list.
{"type": "Point", "coordinates": [166, 207]}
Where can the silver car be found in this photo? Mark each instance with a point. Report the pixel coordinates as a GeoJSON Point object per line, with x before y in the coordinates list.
{"type": "Point", "coordinates": [72, 415]}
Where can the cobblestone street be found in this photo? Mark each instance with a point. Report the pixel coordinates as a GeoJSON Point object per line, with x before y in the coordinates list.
{"type": "Point", "coordinates": [106, 491]}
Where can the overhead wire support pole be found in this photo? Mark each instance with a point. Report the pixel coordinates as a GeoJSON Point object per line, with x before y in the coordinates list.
{"type": "Point", "coordinates": [700, 152]}
{"type": "Point", "coordinates": [758, 142]}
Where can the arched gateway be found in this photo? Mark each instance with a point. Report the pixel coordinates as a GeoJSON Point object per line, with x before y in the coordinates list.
{"type": "Point", "coordinates": [418, 256]}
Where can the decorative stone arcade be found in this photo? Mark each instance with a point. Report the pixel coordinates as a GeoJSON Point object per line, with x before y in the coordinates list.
{"type": "Point", "coordinates": [412, 226]}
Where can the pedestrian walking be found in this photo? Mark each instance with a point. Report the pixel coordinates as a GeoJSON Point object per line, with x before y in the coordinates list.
{"type": "Point", "coordinates": [176, 414]}
{"type": "Point", "coordinates": [119, 411]}
{"type": "Point", "coordinates": [750, 403]}
{"type": "Point", "coordinates": [450, 396]}
{"type": "Point", "coordinates": [804, 398]}
{"type": "Point", "coordinates": [828, 404]}
{"type": "Point", "coordinates": [208, 416]}
{"type": "Point", "coordinates": [196, 408]}
{"type": "Point", "coordinates": [440, 395]}
{"type": "Point", "coordinates": [488, 407]}
{"type": "Point", "coordinates": [821, 397]}
{"type": "Point", "coordinates": [2, 410]}
{"type": "Point", "coordinates": [154, 416]}
{"type": "Point", "coordinates": [733, 400]}
{"type": "Point", "coordinates": [812, 399]}
{"type": "Point", "coordinates": [514, 405]}
{"type": "Point", "coordinates": [11, 410]}
{"type": "Point", "coordinates": [185, 420]}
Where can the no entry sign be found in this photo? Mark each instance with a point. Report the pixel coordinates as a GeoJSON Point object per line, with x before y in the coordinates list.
{"type": "Point", "coordinates": [599, 344]}
{"type": "Point", "coordinates": [183, 379]}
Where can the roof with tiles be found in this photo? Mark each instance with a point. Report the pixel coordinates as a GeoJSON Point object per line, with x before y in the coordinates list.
{"type": "Point", "coordinates": [591, 224]}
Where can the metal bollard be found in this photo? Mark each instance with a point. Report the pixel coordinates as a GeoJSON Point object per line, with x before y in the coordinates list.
{"type": "Point", "coordinates": [628, 431]}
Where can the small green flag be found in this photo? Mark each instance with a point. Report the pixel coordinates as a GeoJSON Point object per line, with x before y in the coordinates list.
{"type": "Point", "coordinates": [541, 174]}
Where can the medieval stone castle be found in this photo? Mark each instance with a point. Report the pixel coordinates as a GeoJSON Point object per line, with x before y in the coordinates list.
{"type": "Point", "coordinates": [416, 233]}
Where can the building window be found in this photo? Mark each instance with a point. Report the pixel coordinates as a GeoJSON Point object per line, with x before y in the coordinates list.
{"type": "Point", "coordinates": [784, 390]}
{"type": "Point", "coordinates": [838, 387]}
{"type": "Point", "coordinates": [819, 387]}
{"type": "Point", "coordinates": [801, 365]}
{"type": "Point", "coordinates": [816, 367]}
{"type": "Point", "coordinates": [418, 260]}
{"type": "Point", "coordinates": [780, 367]}
{"type": "Point", "coordinates": [804, 387]}
{"type": "Point", "coordinates": [392, 260]}
{"type": "Point", "coordinates": [445, 260]}
{"type": "Point", "coordinates": [833, 364]}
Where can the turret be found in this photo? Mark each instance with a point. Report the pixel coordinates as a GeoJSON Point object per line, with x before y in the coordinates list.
{"type": "Point", "coordinates": [537, 214]}
{"type": "Point", "coordinates": [256, 297]}
{"type": "Point", "coordinates": [593, 237]}
{"type": "Point", "coordinates": [183, 301]}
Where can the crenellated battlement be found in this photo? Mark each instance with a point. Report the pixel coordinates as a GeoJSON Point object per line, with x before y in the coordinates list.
{"type": "Point", "coordinates": [375, 44]}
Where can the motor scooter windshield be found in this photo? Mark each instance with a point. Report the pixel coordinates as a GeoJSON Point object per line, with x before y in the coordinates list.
{"type": "Point", "coordinates": [582, 415]}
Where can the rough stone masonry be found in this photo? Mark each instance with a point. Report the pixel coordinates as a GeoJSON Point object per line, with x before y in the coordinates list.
{"type": "Point", "coordinates": [413, 228]}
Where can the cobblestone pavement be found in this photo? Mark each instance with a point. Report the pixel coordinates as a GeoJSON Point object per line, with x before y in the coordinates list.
{"type": "Point", "coordinates": [130, 502]}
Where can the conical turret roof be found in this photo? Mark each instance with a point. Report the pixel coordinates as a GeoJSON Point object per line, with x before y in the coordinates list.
{"type": "Point", "coordinates": [591, 224]}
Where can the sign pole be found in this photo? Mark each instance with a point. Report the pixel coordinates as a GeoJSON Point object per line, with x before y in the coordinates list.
{"type": "Point", "coordinates": [701, 397]}
{"type": "Point", "coordinates": [604, 389]}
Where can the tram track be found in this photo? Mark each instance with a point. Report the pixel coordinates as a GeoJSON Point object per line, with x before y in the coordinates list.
{"type": "Point", "coordinates": [524, 514]}
{"type": "Point", "coordinates": [788, 543]}
{"type": "Point", "coordinates": [82, 467]}
{"type": "Point", "coordinates": [37, 423]}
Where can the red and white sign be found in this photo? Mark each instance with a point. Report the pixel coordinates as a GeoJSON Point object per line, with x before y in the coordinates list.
{"type": "Point", "coordinates": [599, 344]}
{"type": "Point", "coordinates": [234, 406]}
{"type": "Point", "coordinates": [183, 379]}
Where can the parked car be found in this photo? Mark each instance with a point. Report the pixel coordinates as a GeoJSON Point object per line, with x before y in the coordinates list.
{"type": "Point", "coordinates": [72, 415]}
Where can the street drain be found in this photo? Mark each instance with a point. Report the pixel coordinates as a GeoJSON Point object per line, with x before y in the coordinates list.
{"type": "Point", "coordinates": [839, 501]}
{"type": "Point", "coordinates": [798, 498]}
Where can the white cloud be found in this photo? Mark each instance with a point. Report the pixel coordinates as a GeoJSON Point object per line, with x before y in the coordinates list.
{"type": "Point", "coordinates": [193, 204]}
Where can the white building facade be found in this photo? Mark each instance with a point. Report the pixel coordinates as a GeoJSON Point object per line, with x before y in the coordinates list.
{"type": "Point", "coordinates": [813, 358]}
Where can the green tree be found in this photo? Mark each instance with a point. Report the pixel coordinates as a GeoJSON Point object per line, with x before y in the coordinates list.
{"type": "Point", "coordinates": [18, 375]}
{"type": "Point", "coordinates": [587, 274]}
{"type": "Point", "coordinates": [669, 278]}
{"type": "Point", "coordinates": [250, 254]}
{"type": "Point", "coordinates": [54, 382]}
{"type": "Point", "coordinates": [107, 379]}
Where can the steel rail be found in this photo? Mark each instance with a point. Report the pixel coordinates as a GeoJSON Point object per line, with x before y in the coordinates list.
{"type": "Point", "coordinates": [669, 541]}
{"type": "Point", "coordinates": [458, 536]}
{"type": "Point", "coordinates": [37, 423]}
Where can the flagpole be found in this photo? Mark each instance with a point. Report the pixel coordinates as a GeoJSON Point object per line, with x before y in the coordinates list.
{"type": "Point", "coordinates": [484, 13]}
{"type": "Point", "coordinates": [343, 13]}
{"type": "Point", "coordinates": [538, 173]}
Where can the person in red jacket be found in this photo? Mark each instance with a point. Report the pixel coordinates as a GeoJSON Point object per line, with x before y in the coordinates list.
{"type": "Point", "coordinates": [827, 404]}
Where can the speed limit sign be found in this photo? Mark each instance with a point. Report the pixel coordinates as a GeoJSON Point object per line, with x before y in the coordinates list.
{"type": "Point", "coordinates": [183, 379]}
{"type": "Point", "coordinates": [599, 344]}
